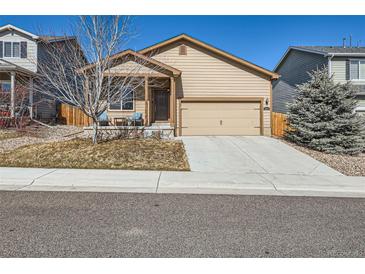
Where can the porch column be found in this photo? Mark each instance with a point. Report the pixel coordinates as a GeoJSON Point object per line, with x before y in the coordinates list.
{"type": "Point", "coordinates": [147, 102]}
{"type": "Point", "coordinates": [172, 102]}
{"type": "Point", "coordinates": [31, 97]}
{"type": "Point", "coordinates": [12, 94]}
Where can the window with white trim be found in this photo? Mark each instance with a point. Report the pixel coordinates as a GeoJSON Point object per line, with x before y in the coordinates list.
{"type": "Point", "coordinates": [13, 49]}
{"type": "Point", "coordinates": [357, 69]}
{"type": "Point", "coordinates": [16, 49]}
{"type": "Point", "coordinates": [5, 86]}
{"type": "Point", "coordinates": [7, 49]}
{"type": "Point", "coordinates": [127, 103]}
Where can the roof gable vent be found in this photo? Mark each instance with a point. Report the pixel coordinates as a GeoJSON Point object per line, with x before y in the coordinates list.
{"type": "Point", "coordinates": [182, 50]}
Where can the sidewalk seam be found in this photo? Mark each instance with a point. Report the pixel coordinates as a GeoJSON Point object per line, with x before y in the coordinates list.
{"type": "Point", "coordinates": [158, 182]}
{"type": "Point", "coordinates": [271, 183]}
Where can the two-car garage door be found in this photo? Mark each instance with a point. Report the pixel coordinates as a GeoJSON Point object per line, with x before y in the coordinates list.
{"type": "Point", "coordinates": [220, 118]}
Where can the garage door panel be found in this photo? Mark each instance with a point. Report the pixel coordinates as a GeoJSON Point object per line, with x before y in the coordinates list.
{"type": "Point", "coordinates": [220, 118]}
{"type": "Point", "coordinates": [214, 131]}
{"type": "Point", "coordinates": [232, 113]}
{"type": "Point", "coordinates": [223, 105]}
{"type": "Point", "coordinates": [215, 123]}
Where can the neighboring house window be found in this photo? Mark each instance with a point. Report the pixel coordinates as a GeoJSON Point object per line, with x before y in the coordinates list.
{"type": "Point", "coordinates": [7, 49]}
{"type": "Point", "coordinates": [13, 49]}
{"type": "Point", "coordinates": [127, 103]}
{"type": "Point", "coordinates": [357, 69]}
{"type": "Point", "coordinates": [16, 49]}
{"type": "Point", "coordinates": [5, 86]}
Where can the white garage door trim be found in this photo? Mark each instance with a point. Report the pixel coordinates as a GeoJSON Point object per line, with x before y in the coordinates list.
{"type": "Point", "coordinates": [259, 100]}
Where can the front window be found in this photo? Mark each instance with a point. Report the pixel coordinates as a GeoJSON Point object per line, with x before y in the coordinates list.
{"type": "Point", "coordinates": [5, 86]}
{"type": "Point", "coordinates": [16, 49]}
{"type": "Point", "coordinates": [127, 103]}
{"type": "Point", "coordinates": [357, 69]}
{"type": "Point", "coordinates": [7, 49]}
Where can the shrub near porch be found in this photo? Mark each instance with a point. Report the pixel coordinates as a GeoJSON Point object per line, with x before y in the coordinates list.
{"type": "Point", "coordinates": [139, 154]}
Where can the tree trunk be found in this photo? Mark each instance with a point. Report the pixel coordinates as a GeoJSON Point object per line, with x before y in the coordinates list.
{"type": "Point", "coordinates": [95, 131]}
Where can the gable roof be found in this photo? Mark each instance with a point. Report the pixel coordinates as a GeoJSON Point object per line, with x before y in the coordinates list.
{"type": "Point", "coordinates": [324, 51]}
{"type": "Point", "coordinates": [220, 52]}
{"type": "Point", "coordinates": [152, 61]}
{"type": "Point", "coordinates": [11, 27]}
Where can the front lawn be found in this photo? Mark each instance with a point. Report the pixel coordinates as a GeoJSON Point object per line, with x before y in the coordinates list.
{"type": "Point", "coordinates": [141, 154]}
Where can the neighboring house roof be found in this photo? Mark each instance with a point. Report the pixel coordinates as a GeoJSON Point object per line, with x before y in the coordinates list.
{"type": "Point", "coordinates": [325, 51]}
{"type": "Point", "coordinates": [52, 39]}
{"type": "Point", "coordinates": [9, 66]}
{"type": "Point", "coordinates": [220, 52]}
{"type": "Point", "coordinates": [149, 60]}
{"type": "Point", "coordinates": [334, 49]}
{"type": "Point", "coordinates": [11, 27]}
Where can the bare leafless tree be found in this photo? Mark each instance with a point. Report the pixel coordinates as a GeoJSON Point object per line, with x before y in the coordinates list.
{"type": "Point", "coordinates": [21, 103]}
{"type": "Point", "coordinates": [80, 70]}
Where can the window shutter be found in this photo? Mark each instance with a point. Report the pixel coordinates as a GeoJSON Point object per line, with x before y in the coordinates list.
{"type": "Point", "coordinates": [348, 77]}
{"type": "Point", "coordinates": [1, 49]}
{"type": "Point", "coordinates": [23, 50]}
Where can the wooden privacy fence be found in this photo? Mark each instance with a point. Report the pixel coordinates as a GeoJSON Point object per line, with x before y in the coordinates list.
{"type": "Point", "coordinates": [73, 116]}
{"type": "Point", "coordinates": [278, 124]}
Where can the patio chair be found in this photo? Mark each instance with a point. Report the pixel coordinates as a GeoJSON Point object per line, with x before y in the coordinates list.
{"type": "Point", "coordinates": [136, 119]}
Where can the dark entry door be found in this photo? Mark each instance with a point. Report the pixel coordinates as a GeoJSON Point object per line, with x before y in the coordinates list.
{"type": "Point", "coordinates": [161, 105]}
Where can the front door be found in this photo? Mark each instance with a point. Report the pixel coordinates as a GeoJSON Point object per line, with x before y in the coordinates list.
{"type": "Point", "coordinates": [161, 103]}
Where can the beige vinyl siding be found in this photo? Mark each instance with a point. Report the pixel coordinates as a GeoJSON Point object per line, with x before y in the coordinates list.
{"type": "Point", "coordinates": [205, 74]}
{"type": "Point", "coordinates": [30, 62]}
{"type": "Point", "coordinates": [340, 70]}
{"type": "Point", "coordinates": [133, 67]}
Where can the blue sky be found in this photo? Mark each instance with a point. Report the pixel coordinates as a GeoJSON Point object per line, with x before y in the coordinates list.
{"type": "Point", "coordinates": [259, 39]}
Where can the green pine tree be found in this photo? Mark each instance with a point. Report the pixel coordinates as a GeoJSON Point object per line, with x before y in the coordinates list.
{"type": "Point", "coordinates": [323, 116]}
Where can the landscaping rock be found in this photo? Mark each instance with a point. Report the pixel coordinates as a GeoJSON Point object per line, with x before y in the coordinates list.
{"type": "Point", "coordinates": [346, 164]}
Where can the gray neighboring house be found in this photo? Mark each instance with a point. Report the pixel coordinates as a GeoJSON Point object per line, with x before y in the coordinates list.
{"type": "Point", "coordinates": [344, 63]}
{"type": "Point", "coordinates": [21, 52]}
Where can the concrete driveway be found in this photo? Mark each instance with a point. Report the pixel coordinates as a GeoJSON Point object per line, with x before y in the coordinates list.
{"type": "Point", "coordinates": [250, 154]}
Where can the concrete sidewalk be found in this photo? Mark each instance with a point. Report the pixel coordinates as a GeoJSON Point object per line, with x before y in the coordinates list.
{"type": "Point", "coordinates": [33, 179]}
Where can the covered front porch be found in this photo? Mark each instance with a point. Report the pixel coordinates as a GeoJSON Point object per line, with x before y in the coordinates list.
{"type": "Point", "coordinates": [154, 101]}
{"type": "Point", "coordinates": [16, 90]}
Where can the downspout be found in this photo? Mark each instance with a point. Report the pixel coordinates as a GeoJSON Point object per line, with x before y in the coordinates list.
{"type": "Point", "coordinates": [330, 64]}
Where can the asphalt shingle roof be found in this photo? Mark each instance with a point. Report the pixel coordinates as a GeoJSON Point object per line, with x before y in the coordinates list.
{"type": "Point", "coordinates": [334, 49]}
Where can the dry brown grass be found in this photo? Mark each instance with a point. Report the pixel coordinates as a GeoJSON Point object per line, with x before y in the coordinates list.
{"type": "Point", "coordinates": [9, 134]}
{"type": "Point", "coordinates": [141, 154]}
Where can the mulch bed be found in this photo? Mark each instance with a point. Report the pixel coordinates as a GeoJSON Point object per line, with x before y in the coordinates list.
{"type": "Point", "coordinates": [138, 154]}
{"type": "Point", "coordinates": [346, 164]}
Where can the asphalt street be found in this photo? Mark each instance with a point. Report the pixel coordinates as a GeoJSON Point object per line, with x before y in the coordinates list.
{"type": "Point", "coordinates": [72, 224]}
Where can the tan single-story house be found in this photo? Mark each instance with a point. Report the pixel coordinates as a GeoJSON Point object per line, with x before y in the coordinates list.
{"type": "Point", "coordinates": [198, 89]}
